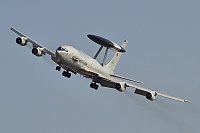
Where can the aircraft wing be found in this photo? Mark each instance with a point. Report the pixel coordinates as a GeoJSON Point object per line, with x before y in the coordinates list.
{"type": "Point", "coordinates": [34, 43]}
{"type": "Point", "coordinates": [149, 94]}
{"type": "Point", "coordinates": [143, 91]}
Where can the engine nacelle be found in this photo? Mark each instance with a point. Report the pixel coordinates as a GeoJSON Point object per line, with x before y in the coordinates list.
{"type": "Point", "coordinates": [21, 41]}
{"type": "Point", "coordinates": [121, 86]}
{"type": "Point", "coordinates": [38, 51]}
{"type": "Point", "coordinates": [151, 95]}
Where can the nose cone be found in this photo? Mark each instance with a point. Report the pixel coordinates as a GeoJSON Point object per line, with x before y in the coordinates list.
{"type": "Point", "coordinates": [60, 50]}
{"type": "Point", "coordinates": [58, 53]}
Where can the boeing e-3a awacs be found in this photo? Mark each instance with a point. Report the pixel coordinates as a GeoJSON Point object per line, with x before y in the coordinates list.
{"type": "Point", "coordinates": [75, 61]}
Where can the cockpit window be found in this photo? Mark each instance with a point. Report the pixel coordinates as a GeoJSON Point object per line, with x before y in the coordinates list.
{"type": "Point", "coordinates": [61, 49]}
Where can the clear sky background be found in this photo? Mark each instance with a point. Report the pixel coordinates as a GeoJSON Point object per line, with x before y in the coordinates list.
{"type": "Point", "coordinates": [163, 52]}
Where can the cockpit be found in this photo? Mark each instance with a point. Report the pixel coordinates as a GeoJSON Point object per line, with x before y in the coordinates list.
{"type": "Point", "coordinates": [62, 49]}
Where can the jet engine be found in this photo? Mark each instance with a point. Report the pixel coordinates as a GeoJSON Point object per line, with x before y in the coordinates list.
{"type": "Point", "coordinates": [151, 95]}
{"type": "Point", "coordinates": [121, 86]}
{"type": "Point", "coordinates": [21, 41]}
{"type": "Point", "coordinates": [38, 51]}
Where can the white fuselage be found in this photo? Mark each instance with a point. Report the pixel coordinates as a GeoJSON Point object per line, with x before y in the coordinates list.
{"type": "Point", "coordinates": [76, 61]}
{"type": "Point", "coordinates": [73, 59]}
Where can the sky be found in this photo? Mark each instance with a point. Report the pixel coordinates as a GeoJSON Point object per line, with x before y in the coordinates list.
{"type": "Point", "coordinates": [163, 52]}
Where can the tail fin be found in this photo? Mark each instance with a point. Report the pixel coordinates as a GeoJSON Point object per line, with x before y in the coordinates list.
{"type": "Point", "coordinates": [112, 64]}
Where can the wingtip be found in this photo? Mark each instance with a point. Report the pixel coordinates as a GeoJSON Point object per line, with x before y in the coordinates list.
{"type": "Point", "coordinates": [187, 101]}
{"type": "Point", "coordinates": [12, 28]}
{"type": "Point", "coordinates": [141, 82]}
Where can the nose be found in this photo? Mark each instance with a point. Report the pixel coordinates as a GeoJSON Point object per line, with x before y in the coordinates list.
{"type": "Point", "coordinates": [58, 53]}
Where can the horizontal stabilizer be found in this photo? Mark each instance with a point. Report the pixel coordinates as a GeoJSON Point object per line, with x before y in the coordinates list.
{"type": "Point", "coordinates": [121, 77]}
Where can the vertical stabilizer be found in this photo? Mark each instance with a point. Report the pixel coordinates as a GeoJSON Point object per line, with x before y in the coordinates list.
{"type": "Point", "coordinates": [113, 63]}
